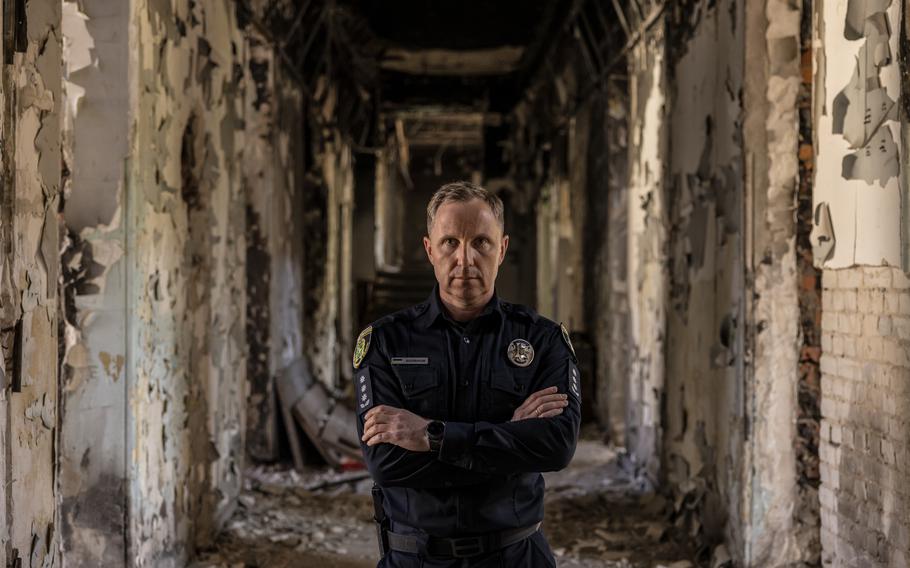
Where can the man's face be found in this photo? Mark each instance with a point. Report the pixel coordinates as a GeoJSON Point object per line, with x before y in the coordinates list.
{"type": "Point", "coordinates": [466, 247]}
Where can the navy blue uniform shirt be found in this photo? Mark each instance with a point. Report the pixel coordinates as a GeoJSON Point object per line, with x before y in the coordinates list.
{"type": "Point", "coordinates": [486, 477]}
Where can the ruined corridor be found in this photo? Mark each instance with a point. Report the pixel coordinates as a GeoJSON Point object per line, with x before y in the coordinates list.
{"type": "Point", "coordinates": [203, 203]}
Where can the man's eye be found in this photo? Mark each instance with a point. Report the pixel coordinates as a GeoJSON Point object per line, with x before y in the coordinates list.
{"type": "Point", "coordinates": [450, 242]}
{"type": "Point", "coordinates": [483, 243]}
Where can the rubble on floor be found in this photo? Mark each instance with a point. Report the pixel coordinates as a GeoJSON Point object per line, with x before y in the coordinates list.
{"type": "Point", "coordinates": [280, 523]}
{"type": "Point", "coordinates": [597, 516]}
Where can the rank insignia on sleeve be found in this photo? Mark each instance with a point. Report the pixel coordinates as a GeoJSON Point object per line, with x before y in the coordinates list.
{"type": "Point", "coordinates": [520, 352]}
{"type": "Point", "coordinates": [565, 337]}
{"type": "Point", "coordinates": [363, 346]}
{"type": "Point", "coordinates": [363, 389]}
{"type": "Point", "coordinates": [574, 381]}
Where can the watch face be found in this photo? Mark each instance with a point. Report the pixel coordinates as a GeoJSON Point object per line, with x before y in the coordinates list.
{"type": "Point", "coordinates": [435, 428]}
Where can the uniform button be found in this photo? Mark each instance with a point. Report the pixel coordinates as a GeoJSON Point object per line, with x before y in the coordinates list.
{"type": "Point", "coordinates": [466, 340]}
{"type": "Point", "coordinates": [464, 384]}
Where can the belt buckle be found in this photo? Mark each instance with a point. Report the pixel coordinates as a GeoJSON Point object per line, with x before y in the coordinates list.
{"type": "Point", "coordinates": [466, 546]}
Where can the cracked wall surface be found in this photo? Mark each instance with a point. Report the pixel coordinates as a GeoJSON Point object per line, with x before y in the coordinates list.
{"type": "Point", "coordinates": [186, 283]}
{"type": "Point", "coordinates": [704, 414]}
{"type": "Point", "coordinates": [615, 360]}
{"type": "Point", "coordinates": [865, 447]}
{"type": "Point", "coordinates": [92, 481]}
{"type": "Point", "coordinates": [860, 243]}
{"type": "Point", "coordinates": [181, 154]}
{"type": "Point", "coordinates": [31, 96]}
{"type": "Point", "coordinates": [859, 175]}
{"type": "Point", "coordinates": [647, 254]}
{"type": "Point", "coordinates": [207, 230]}
{"type": "Point", "coordinates": [775, 533]}
{"type": "Point", "coordinates": [712, 190]}
{"type": "Point", "coordinates": [328, 319]}
{"type": "Point", "coordinates": [273, 182]}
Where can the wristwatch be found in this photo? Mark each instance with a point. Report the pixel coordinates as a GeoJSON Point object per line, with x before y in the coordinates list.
{"type": "Point", "coordinates": [435, 432]}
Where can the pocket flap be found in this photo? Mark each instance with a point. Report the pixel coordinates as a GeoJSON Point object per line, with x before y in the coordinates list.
{"type": "Point", "coordinates": [505, 381]}
{"type": "Point", "coordinates": [414, 382]}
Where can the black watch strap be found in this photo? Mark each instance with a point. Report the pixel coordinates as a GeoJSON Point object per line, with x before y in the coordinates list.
{"type": "Point", "coordinates": [435, 433]}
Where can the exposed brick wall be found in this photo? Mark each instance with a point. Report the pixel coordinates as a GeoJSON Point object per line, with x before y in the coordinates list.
{"type": "Point", "coordinates": [865, 430]}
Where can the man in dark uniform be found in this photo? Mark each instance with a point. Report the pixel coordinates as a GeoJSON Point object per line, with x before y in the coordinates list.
{"type": "Point", "coordinates": [462, 401]}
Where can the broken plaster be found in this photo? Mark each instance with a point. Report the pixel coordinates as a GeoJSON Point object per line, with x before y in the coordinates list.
{"type": "Point", "coordinates": [32, 97]}
{"type": "Point", "coordinates": [823, 240]}
{"type": "Point", "coordinates": [858, 168]}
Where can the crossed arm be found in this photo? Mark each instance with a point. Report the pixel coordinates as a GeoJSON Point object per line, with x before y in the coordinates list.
{"type": "Point", "coordinates": [390, 425]}
{"type": "Point", "coordinates": [541, 436]}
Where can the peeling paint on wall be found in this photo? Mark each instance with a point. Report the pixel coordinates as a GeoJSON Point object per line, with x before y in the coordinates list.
{"type": "Point", "coordinates": [187, 333]}
{"type": "Point", "coordinates": [806, 517]}
{"type": "Point", "coordinates": [329, 329]}
{"type": "Point", "coordinates": [92, 480]}
{"type": "Point", "coordinates": [770, 531]}
{"type": "Point", "coordinates": [29, 266]}
{"type": "Point", "coordinates": [863, 106]}
{"type": "Point", "coordinates": [273, 179]}
{"type": "Point", "coordinates": [704, 415]}
{"type": "Point", "coordinates": [858, 145]}
{"type": "Point", "coordinates": [647, 249]}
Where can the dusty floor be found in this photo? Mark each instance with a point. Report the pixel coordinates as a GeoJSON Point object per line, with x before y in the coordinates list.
{"type": "Point", "coordinates": [596, 516]}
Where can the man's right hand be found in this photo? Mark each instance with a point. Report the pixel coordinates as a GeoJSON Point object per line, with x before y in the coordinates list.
{"type": "Point", "coordinates": [542, 404]}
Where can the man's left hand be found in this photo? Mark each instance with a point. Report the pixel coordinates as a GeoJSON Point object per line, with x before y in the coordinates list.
{"type": "Point", "coordinates": [389, 425]}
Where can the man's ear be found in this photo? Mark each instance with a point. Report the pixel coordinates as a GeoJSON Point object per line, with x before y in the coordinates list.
{"type": "Point", "coordinates": [428, 246]}
{"type": "Point", "coordinates": [505, 246]}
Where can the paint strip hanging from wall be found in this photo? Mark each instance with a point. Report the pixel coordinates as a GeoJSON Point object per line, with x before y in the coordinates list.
{"type": "Point", "coordinates": [858, 175]}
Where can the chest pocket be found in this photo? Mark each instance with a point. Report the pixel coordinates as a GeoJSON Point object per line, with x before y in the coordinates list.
{"type": "Point", "coordinates": [506, 390]}
{"type": "Point", "coordinates": [422, 391]}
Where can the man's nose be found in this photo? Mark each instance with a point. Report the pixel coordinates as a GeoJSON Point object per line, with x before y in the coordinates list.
{"type": "Point", "coordinates": [465, 255]}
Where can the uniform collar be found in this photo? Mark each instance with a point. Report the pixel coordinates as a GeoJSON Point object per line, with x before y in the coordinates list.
{"type": "Point", "coordinates": [435, 311]}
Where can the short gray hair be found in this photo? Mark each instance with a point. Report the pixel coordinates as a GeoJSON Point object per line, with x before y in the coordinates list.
{"type": "Point", "coordinates": [460, 191]}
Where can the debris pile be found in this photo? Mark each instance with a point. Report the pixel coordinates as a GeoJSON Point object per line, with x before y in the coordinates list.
{"type": "Point", "coordinates": [598, 515]}
{"type": "Point", "coordinates": [310, 411]}
{"type": "Point", "coordinates": [289, 519]}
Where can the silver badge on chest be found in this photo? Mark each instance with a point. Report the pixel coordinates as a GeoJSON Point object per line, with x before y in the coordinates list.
{"type": "Point", "coordinates": [520, 352]}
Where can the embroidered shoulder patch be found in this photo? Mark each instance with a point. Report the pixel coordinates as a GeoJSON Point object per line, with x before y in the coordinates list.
{"type": "Point", "coordinates": [363, 387]}
{"type": "Point", "coordinates": [565, 337]}
{"type": "Point", "coordinates": [363, 346]}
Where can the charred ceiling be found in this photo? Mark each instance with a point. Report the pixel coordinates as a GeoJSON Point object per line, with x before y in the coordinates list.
{"type": "Point", "coordinates": [473, 56]}
{"type": "Point", "coordinates": [328, 48]}
{"type": "Point", "coordinates": [463, 25]}
{"type": "Point", "coordinates": [471, 52]}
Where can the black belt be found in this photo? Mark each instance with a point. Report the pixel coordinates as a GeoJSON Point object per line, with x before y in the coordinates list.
{"type": "Point", "coordinates": [460, 547]}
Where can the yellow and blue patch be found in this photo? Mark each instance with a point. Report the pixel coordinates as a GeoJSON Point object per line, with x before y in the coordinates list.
{"type": "Point", "coordinates": [363, 346]}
